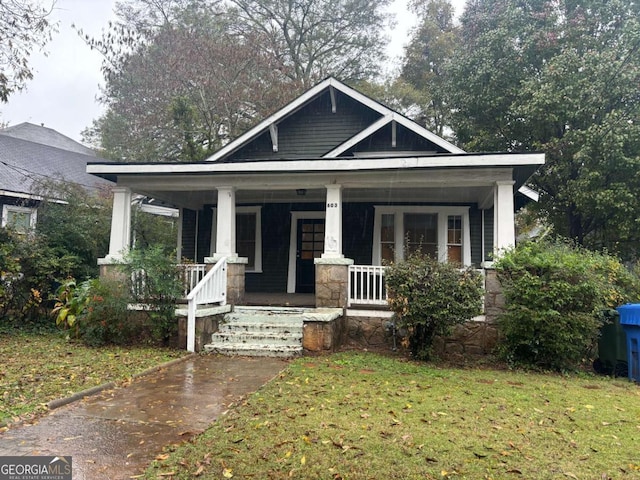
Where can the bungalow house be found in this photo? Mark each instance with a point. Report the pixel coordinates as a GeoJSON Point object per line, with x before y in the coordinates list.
{"type": "Point", "coordinates": [332, 184]}
{"type": "Point", "coordinates": [30, 157]}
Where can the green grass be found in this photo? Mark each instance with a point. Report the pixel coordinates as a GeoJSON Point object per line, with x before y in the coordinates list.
{"type": "Point", "coordinates": [38, 368]}
{"type": "Point", "coordinates": [364, 416]}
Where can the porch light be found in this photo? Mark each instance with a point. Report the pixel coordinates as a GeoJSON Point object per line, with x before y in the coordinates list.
{"type": "Point", "coordinates": [301, 191]}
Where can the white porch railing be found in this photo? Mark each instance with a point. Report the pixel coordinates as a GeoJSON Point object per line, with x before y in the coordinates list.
{"type": "Point", "coordinates": [367, 285]}
{"type": "Point", "coordinates": [211, 289]}
{"type": "Point", "coordinates": [191, 274]}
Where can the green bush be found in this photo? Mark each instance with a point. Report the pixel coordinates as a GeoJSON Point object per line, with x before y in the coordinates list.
{"type": "Point", "coordinates": [429, 297]}
{"type": "Point", "coordinates": [556, 295]}
{"type": "Point", "coordinates": [29, 273]}
{"type": "Point", "coordinates": [159, 288]}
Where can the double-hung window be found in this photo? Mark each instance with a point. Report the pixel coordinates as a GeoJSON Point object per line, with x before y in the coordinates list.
{"type": "Point", "coordinates": [22, 219]}
{"type": "Point", "coordinates": [248, 236]}
{"type": "Point", "coordinates": [442, 232]}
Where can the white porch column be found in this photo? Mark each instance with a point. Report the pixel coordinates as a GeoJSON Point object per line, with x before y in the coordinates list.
{"type": "Point", "coordinates": [504, 229]}
{"type": "Point", "coordinates": [333, 223]}
{"type": "Point", "coordinates": [226, 223]}
{"type": "Point", "coordinates": [120, 239]}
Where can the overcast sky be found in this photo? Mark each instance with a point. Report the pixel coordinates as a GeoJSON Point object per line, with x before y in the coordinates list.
{"type": "Point", "coordinates": [63, 93]}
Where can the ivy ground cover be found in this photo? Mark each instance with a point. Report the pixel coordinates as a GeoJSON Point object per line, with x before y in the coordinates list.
{"type": "Point", "coordinates": [365, 416]}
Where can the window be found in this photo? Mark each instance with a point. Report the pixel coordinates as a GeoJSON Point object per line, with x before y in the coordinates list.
{"type": "Point", "coordinates": [248, 236]}
{"type": "Point", "coordinates": [387, 238]}
{"type": "Point", "coordinates": [454, 238]}
{"type": "Point", "coordinates": [421, 233]}
{"type": "Point", "coordinates": [22, 219]}
{"type": "Point", "coordinates": [440, 231]}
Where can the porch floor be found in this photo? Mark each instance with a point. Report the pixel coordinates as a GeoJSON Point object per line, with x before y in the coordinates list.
{"type": "Point", "coordinates": [279, 299]}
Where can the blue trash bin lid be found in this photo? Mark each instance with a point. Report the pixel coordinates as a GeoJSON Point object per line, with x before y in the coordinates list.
{"type": "Point", "coordinates": [629, 314]}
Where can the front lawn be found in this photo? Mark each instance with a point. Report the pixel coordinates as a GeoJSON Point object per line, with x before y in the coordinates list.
{"type": "Point", "coordinates": [38, 368]}
{"type": "Point", "coordinates": [365, 416]}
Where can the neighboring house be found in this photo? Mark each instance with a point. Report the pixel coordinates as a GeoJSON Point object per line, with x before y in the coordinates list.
{"type": "Point", "coordinates": [332, 178]}
{"type": "Point", "coordinates": [32, 156]}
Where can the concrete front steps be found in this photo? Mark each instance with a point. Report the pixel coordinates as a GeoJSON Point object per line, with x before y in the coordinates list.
{"type": "Point", "coordinates": [260, 332]}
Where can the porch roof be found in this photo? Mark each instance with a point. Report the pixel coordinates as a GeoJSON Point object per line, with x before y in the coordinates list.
{"type": "Point", "coordinates": [434, 178]}
{"type": "Point", "coordinates": [523, 165]}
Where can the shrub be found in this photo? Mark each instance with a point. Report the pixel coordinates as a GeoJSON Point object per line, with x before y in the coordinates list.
{"type": "Point", "coordinates": [159, 288]}
{"type": "Point", "coordinates": [29, 273]}
{"type": "Point", "coordinates": [429, 297]}
{"type": "Point", "coordinates": [556, 295]}
{"type": "Point", "coordinates": [95, 311]}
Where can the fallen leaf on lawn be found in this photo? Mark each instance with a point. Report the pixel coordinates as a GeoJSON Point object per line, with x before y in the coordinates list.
{"type": "Point", "coordinates": [227, 473]}
{"type": "Point", "coordinates": [303, 460]}
{"type": "Point", "coordinates": [570, 475]}
{"type": "Point", "coordinates": [514, 470]}
{"type": "Point", "coordinates": [199, 471]}
{"type": "Point", "coordinates": [167, 474]}
{"type": "Point", "coordinates": [162, 456]}
{"type": "Point", "coordinates": [589, 407]}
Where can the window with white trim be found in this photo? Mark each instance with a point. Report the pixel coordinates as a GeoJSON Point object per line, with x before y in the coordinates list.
{"type": "Point", "coordinates": [22, 219]}
{"type": "Point", "coordinates": [248, 236]}
{"type": "Point", "coordinates": [440, 231]}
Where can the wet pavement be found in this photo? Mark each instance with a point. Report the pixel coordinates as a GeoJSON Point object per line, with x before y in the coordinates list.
{"type": "Point", "coordinates": [117, 433]}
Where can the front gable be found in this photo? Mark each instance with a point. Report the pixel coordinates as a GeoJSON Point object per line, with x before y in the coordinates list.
{"type": "Point", "coordinates": [330, 121]}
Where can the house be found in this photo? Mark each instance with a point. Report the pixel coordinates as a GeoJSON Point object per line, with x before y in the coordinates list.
{"type": "Point", "coordinates": [31, 156]}
{"type": "Point", "coordinates": [331, 181]}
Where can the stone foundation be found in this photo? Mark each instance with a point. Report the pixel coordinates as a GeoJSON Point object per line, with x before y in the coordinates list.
{"type": "Point", "coordinates": [324, 336]}
{"type": "Point", "coordinates": [369, 332]}
{"type": "Point", "coordinates": [205, 327]}
{"type": "Point", "coordinates": [471, 339]}
{"type": "Point", "coordinates": [332, 277]}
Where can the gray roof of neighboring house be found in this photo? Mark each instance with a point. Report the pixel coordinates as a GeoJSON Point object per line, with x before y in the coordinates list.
{"type": "Point", "coordinates": [46, 136]}
{"type": "Point", "coordinates": [31, 156]}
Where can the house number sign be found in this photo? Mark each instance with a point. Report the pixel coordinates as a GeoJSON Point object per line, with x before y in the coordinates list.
{"type": "Point", "coordinates": [332, 205]}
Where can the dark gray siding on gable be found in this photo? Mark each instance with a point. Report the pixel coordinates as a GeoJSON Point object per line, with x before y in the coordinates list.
{"type": "Point", "coordinates": [406, 140]}
{"type": "Point", "coordinates": [312, 131]}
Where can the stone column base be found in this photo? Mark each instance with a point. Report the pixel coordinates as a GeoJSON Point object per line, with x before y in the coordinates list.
{"type": "Point", "coordinates": [332, 280]}
{"type": "Point", "coordinates": [235, 277]}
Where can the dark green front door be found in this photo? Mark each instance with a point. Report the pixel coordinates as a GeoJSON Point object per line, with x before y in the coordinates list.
{"type": "Point", "coordinates": [310, 245]}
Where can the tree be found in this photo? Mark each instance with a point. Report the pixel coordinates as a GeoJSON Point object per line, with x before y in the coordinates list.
{"type": "Point", "coordinates": [24, 26]}
{"type": "Point", "coordinates": [560, 77]}
{"type": "Point", "coordinates": [318, 38]}
{"type": "Point", "coordinates": [431, 45]}
{"type": "Point", "coordinates": [180, 83]}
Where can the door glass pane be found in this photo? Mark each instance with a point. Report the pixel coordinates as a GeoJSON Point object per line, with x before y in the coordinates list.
{"type": "Point", "coordinates": [421, 233]}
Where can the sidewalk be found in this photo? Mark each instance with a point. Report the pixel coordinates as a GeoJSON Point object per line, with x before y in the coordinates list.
{"type": "Point", "coordinates": [116, 434]}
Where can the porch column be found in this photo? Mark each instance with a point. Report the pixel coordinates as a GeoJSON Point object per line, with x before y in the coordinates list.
{"type": "Point", "coordinates": [333, 223]}
{"type": "Point", "coordinates": [120, 225]}
{"type": "Point", "coordinates": [504, 230]}
{"type": "Point", "coordinates": [226, 223]}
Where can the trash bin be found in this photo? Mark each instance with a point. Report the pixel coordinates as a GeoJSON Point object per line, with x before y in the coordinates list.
{"type": "Point", "coordinates": [612, 347]}
{"type": "Point", "coordinates": [630, 321]}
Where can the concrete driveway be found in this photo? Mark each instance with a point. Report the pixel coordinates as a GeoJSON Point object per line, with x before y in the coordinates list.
{"type": "Point", "coordinates": [117, 433]}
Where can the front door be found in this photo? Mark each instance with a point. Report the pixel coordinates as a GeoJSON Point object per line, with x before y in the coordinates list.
{"type": "Point", "coordinates": [310, 245]}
